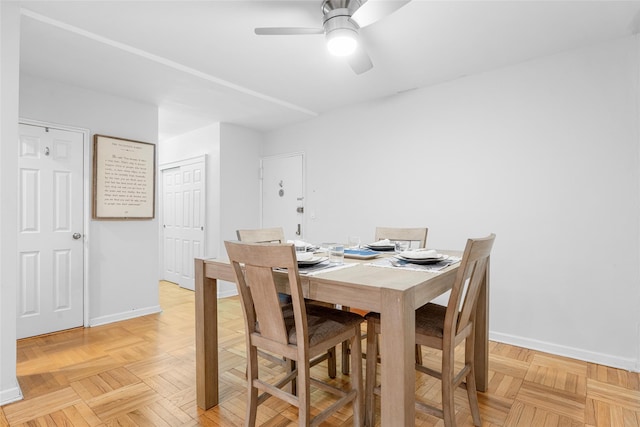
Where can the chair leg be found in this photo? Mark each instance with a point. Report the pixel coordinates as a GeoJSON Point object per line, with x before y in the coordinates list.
{"type": "Point", "coordinates": [304, 395]}
{"type": "Point", "coordinates": [370, 383]}
{"type": "Point", "coordinates": [331, 362]}
{"type": "Point", "coordinates": [448, 403]}
{"type": "Point", "coordinates": [356, 377]}
{"type": "Point", "coordinates": [291, 366]}
{"type": "Point", "coordinates": [345, 357]}
{"type": "Point", "coordinates": [345, 350]}
{"type": "Point", "coordinates": [418, 354]}
{"type": "Point", "coordinates": [252, 392]}
{"type": "Point", "coordinates": [472, 392]}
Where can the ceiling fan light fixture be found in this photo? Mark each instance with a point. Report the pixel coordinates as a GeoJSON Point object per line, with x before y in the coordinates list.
{"type": "Point", "coordinates": [342, 41]}
{"type": "Point", "coordinates": [341, 32]}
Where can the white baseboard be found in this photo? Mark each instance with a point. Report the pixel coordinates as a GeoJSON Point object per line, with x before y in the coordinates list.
{"type": "Point", "coordinates": [571, 352]}
{"type": "Point", "coordinates": [117, 317]}
{"type": "Point", "coordinates": [11, 394]}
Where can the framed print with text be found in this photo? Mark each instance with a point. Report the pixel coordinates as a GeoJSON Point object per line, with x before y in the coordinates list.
{"type": "Point", "coordinates": [124, 177]}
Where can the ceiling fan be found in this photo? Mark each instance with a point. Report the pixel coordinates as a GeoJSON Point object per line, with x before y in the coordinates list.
{"type": "Point", "coordinates": [340, 24]}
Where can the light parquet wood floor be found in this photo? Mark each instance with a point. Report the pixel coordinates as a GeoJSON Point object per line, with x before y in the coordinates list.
{"type": "Point", "coordinates": [141, 372]}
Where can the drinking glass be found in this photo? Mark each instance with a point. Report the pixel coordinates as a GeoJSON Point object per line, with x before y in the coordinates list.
{"type": "Point", "coordinates": [336, 253]}
{"type": "Point", "coordinates": [401, 245]}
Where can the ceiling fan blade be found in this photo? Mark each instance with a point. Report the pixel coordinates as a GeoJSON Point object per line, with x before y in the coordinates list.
{"type": "Point", "coordinates": [285, 31]}
{"type": "Point", "coordinates": [374, 10]}
{"type": "Point", "coordinates": [360, 61]}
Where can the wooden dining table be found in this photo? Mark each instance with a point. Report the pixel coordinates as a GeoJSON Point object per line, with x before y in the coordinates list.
{"type": "Point", "coordinates": [393, 292]}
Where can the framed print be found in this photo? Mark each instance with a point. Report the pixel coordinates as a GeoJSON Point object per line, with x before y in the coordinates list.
{"type": "Point", "coordinates": [124, 177]}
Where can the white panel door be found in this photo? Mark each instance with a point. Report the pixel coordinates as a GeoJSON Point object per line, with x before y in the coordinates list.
{"type": "Point", "coordinates": [183, 221]}
{"type": "Point", "coordinates": [282, 194]}
{"type": "Point", "coordinates": [50, 227]}
{"type": "Point", "coordinates": [171, 189]}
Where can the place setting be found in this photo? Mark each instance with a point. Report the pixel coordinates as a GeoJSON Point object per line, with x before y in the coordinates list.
{"type": "Point", "coordinates": [422, 256]}
{"type": "Point", "coordinates": [420, 259]}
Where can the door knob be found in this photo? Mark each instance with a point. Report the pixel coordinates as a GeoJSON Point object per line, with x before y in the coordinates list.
{"type": "Point", "coordinates": [76, 236]}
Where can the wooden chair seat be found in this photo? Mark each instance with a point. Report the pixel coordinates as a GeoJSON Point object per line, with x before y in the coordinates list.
{"type": "Point", "coordinates": [429, 319]}
{"type": "Point", "coordinates": [442, 328]}
{"type": "Point", "coordinates": [322, 323]}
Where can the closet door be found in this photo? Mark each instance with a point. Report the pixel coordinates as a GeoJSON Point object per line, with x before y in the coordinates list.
{"type": "Point", "coordinates": [183, 220]}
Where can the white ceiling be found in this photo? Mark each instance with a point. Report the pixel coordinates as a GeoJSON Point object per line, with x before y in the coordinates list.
{"type": "Point", "coordinates": [200, 61]}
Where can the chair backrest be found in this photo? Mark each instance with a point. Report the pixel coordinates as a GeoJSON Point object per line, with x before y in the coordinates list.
{"type": "Point", "coordinates": [262, 235]}
{"type": "Point", "coordinates": [465, 291]}
{"type": "Point", "coordinates": [253, 268]}
{"type": "Point", "coordinates": [416, 234]}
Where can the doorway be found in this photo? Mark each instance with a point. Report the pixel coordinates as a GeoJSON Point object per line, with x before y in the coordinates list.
{"type": "Point", "coordinates": [51, 229]}
{"type": "Point", "coordinates": [282, 195]}
{"type": "Point", "coordinates": [183, 219]}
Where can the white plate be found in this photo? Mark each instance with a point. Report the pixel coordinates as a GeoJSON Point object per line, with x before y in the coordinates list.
{"type": "Point", "coordinates": [423, 260]}
{"type": "Point", "coordinates": [304, 256]}
{"type": "Point", "coordinates": [420, 254]}
{"type": "Point", "coordinates": [313, 261]}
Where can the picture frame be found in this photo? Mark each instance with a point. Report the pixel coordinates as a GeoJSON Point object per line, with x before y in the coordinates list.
{"type": "Point", "coordinates": [124, 179]}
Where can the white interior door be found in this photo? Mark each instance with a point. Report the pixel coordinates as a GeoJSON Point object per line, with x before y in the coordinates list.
{"type": "Point", "coordinates": [283, 194]}
{"type": "Point", "coordinates": [171, 190]}
{"type": "Point", "coordinates": [183, 220]}
{"type": "Point", "coordinates": [50, 227]}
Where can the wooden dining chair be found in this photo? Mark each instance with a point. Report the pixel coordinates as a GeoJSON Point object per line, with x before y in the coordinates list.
{"type": "Point", "coordinates": [298, 331]}
{"type": "Point", "coordinates": [443, 328]}
{"type": "Point", "coordinates": [276, 235]}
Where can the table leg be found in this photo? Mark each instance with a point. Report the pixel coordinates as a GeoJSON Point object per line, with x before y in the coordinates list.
{"type": "Point", "coordinates": [481, 354]}
{"type": "Point", "coordinates": [397, 352]}
{"type": "Point", "coordinates": [206, 301]}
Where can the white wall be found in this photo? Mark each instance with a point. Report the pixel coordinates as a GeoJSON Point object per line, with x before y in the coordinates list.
{"type": "Point", "coordinates": [9, 79]}
{"type": "Point", "coordinates": [204, 141]}
{"type": "Point", "coordinates": [240, 151]}
{"type": "Point", "coordinates": [239, 180]}
{"type": "Point", "coordinates": [233, 187]}
{"type": "Point", "coordinates": [123, 260]}
{"type": "Point", "coordinates": [544, 153]}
